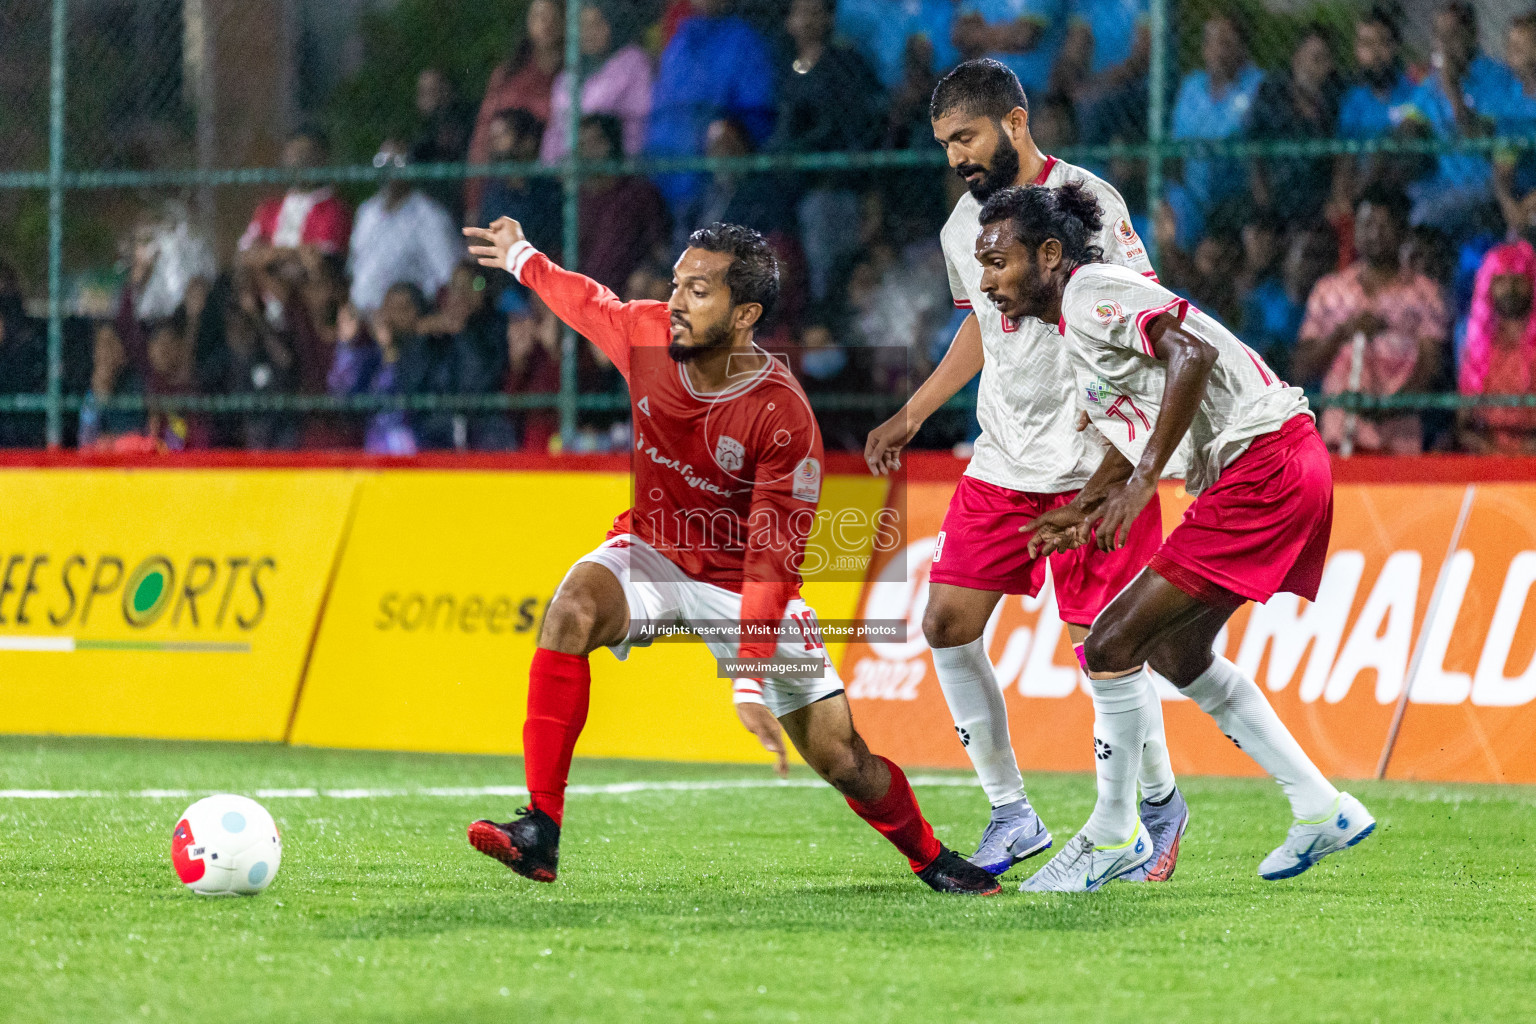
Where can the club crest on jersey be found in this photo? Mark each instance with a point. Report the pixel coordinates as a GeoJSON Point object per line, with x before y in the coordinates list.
{"type": "Point", "coordinates": [730, 454]}
{"type": "Point", "coordinates": [1098, 389]}
{"type": "Point", "coordinates": [807, 485]}
{"type": "Point", "coordinates": [1108, 310]}
{"type": "Point", "coordinates": [1125, 231]}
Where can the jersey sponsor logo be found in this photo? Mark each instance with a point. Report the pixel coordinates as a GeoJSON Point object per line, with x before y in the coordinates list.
{"type": "Point", "coordinates": [807, 485]}
{"type": "Point", "coordinates": [1108, 310]}
{"type": "Point", "coordinates": [730, 454]}
{"type": "Point", "coordinates": [645, 404]}
{"type": "Point", "coordinates": [1098, 389]}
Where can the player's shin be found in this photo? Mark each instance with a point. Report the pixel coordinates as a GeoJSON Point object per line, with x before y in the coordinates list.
{"type": "Point", "coordinates": [1239, 707]}
{"type": "Point", "coordinates": [897, 817]}
{"type": "Point", "coordinates": [559, 689]}
{"type": "Point", "coordinates": [981, 718]}
{"type": "Point", "coordinates": [1120, 720]}
{"type": "Point", "coordinates": [1156, 774]}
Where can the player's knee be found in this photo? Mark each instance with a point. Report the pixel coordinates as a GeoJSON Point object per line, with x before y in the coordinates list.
{"type": "Point", "coordinates": [570, 623]}
{"type": "Point", "coordinates": [1110, 648]}
{"type": "Point", "coordinates": [841, 766]}
{"type": "Point", "coordinates": [946, 626]}
{"type": "Point", "coordinates": [1180, 664]}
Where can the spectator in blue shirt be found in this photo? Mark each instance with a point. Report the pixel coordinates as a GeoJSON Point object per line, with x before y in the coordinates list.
{"type": "Point", "coordinates": [1514, 180]}
{"type": "Point", "coordinates": [1379, 104]}
{"type": "Point", "coordinates": [1103, 67]}
{"type": "Point", "coordinates": [1459, 100]}
{"type": "Point", "coordinates": [716, 66]}
{"type": "Point", "coordinates": [1215, 103]}
{"type": "Point", "coordinates": [1023, 34]}
{"type": "Point", "coordinates": [880, 30]}
{"type": "Point", "coordinates": [1383, 95]}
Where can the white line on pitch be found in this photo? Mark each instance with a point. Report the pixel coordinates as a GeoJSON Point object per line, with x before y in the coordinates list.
{"type": "Point", "coordinates": [608, 789]}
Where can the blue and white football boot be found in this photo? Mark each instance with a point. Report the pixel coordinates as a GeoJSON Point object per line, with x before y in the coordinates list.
{"type": "Point", "coordinates": [1310, 841]}
{"type": "Point", "coordinates": [1015, 833]}
{"type": "Point", "coordinates": [1083, 867]}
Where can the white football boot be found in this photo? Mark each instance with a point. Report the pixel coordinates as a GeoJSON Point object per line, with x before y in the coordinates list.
{"type": "Point", "coordinates": [1310, 841]}
{"type": "Point", "coordinates": [1083, 867]}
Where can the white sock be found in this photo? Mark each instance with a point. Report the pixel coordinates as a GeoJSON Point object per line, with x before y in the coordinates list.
{"type": "Point", "coordinates": [1156, 775]}
{"type": "Point", "coordinates": [981, 718]}
{"type": "Point", "coordinates": [1234, 700]}
{"type": "Point", "coordinates": [1120, 719]}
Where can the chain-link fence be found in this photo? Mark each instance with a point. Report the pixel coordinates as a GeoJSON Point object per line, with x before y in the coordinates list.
{"type": "Point", "coordinates": [188, 190]}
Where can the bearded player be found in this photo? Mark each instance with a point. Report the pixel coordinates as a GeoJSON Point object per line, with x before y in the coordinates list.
{"type": "Point", "coordinates": [1151, 368]}
{"type": "Point", "coordinates": [1029, 459]}
{"type": "Point", "coordinates": [727, 477]}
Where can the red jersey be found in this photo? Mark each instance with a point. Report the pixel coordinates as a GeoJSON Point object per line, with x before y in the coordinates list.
{"type": "Point", "coordinates": [314, 218]}
{"type": "Point", "coordinates": [726, 483]}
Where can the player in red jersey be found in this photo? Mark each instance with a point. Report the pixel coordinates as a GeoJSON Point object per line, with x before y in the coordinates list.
{"type": "Point", "coordinates": [727, 476]}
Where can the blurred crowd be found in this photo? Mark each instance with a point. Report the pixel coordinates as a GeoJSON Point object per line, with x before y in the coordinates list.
{"type": "Point", "coordinates": [1386, 274]}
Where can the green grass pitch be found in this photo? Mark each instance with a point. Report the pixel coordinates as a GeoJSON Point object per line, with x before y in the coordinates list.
{"type": "Point", "coordinates": [771, 904]}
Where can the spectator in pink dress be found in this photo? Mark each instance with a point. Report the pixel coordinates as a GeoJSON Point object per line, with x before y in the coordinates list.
{"type": "Point", "coordinates": [1398, 313]}
{"type": "Point", "coordinates": [616, 79]}
{"type": "Point", "coordinates": [523, 81]}
{"type": "Point", "coordinates": [1500, 353]}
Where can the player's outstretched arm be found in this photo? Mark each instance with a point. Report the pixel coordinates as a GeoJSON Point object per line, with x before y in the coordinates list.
{"type": "Point", "coordinates": [585, 306]}
{"type": "Point", "coordinates": [963, 361]}
{"type": "Point", "coordinates": [1189, 360]}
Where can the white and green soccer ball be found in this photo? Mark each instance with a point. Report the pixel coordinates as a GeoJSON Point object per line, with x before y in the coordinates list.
{"type": "Point", "coordinates": [226, 845]}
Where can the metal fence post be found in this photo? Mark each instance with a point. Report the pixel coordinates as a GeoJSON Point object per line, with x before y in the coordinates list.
{"type": "Point", "coordinates": [1157, 79]}
{"type": "Point", "coordinates": [571, 234]}
{"type": "Point", "coordinates": [55, 417]}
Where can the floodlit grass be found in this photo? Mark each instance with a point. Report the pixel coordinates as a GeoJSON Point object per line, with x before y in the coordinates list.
{"type": "Point", "coordinates": [727, 905]}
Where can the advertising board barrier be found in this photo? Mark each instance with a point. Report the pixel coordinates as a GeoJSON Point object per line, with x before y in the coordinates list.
{"type": "Point", "coordinates": [176, 604]}
{"type": "Point", "coordinates": [397, 608]}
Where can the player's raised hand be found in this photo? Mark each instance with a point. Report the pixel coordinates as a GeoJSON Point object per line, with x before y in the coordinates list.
{"type": "Point", "coordinates": [1060, 529]}
{"type": "Point", "coordinates": [1111, 522]}
{"type": "Point", "coordinates": [760, 722]}
{"type": "Point", "coordinates": [882, 449]}
{"type": "Point", "coordinates": [496, 241]}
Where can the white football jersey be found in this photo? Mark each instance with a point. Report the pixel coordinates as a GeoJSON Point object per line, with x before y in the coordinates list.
{"type": "Point", "coordinates": [1105, 311]}
{"type": "Point", "coordinates": [1029, 438]}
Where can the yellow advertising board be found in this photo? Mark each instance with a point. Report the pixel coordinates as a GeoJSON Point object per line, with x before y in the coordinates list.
{"type": "Point", "coordinates": [162, 603]}
{"type": "Point", "coordinates": [431, 624]}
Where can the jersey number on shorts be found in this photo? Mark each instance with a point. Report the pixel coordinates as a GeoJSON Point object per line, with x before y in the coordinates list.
{"type": "Point", "coordinates": [809, 632]}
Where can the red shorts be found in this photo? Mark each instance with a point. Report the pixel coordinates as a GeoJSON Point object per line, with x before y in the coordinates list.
{"type": "Point", "coordinates": [980, 547]}
{"type": "Point", "coordinates": [1261, 528]}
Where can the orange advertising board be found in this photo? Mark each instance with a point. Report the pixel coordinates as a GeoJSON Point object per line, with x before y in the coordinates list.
{"type": "Point", "coordinates": [1334, 669]}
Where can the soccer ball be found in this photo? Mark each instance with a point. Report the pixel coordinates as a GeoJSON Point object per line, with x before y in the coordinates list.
{"type": "Point", "coordinates": [226, 845]}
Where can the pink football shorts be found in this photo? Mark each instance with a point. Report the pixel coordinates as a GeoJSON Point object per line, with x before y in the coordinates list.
{"type": "Point", "coordinates": [980, 547]}
{"type": "Point", "coordinates": [1261, 528]}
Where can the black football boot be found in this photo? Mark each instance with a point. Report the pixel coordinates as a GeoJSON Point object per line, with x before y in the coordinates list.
{"type": "Point", "coordinates": [528, 844]}
{"type": "Point", "coordinates": [951, 872]}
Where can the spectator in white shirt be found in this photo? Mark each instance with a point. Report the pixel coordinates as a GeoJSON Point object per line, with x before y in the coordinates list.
{"type": "Point", "coordinates": [401, 235]}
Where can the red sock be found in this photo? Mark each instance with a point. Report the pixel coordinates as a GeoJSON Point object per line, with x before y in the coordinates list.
{"type": "Point", "coordinates": [897, 817]}
{"type": "Point", "coordinates": [559, 688]}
